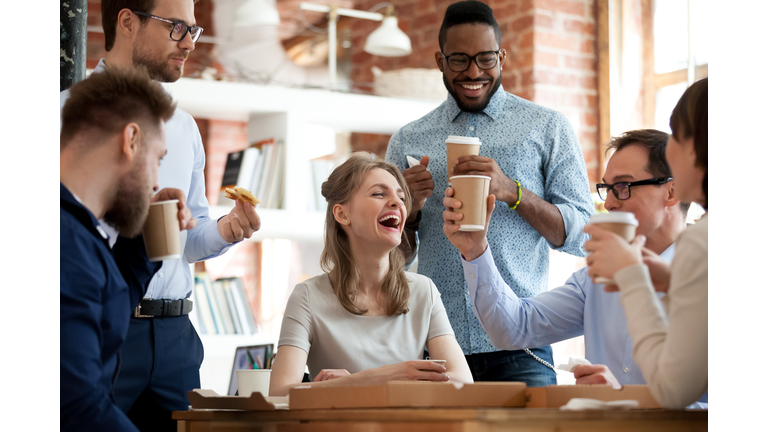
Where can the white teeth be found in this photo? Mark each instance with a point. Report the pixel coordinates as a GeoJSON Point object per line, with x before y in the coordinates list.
{"type": "Point", "coordinates": [390, 217]}
{"type": "Point", "coordinates": [472, 87]}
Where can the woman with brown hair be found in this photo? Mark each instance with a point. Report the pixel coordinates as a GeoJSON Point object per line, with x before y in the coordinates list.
{"type": "Point", "coordinates": [365, 321]}
{"type": "Point", "coordinates": [671, 347]}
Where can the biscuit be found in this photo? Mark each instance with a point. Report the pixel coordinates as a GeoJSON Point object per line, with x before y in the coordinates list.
{"type": "Point", "coordinates": [246, 196]}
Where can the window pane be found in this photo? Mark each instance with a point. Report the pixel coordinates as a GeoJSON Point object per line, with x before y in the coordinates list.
{"type": "Point", "coordinates": [666, 99]}
{"type": "Point", "coordinates": [700, 17]}
{"type": "Point", "coordinates": [670, 35]}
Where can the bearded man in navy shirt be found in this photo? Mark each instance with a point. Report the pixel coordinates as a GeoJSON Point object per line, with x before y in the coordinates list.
{"type": "Point", "coordinates": [112, 140]}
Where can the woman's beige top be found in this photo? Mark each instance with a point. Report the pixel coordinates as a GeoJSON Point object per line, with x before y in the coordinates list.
{"type": "Point", "coordinates": [671, 349]}
{"type": "Point", "coordinates": [334, 338]}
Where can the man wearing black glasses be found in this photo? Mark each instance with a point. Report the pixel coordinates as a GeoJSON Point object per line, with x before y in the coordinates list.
{"type": "Point", "coordinates": [536, 167]}
{"type": "Point", "coordinates": [162, 354]}
{"type": "Point", "coordinates": [641, 181]}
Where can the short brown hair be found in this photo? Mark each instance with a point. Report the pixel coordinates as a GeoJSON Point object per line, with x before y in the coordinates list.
{"type": "Point", "coordinates": [110, 9]}
{"type": "Point", "coordinates": [656, 143]}
{"type": "Point", "coordinates": [689, 119]}
{"type": "Point", "coordinates": [107, 101]}
{"type": "Point", "coordinates": [337, 259]}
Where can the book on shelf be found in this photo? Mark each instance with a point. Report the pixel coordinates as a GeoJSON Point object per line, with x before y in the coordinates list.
{"type": "Point", "coordinates": [261, 169]}
{"type": "Point", "coordinates": [222, 306]}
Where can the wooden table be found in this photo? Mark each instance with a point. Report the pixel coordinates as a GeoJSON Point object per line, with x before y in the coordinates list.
{"type": "Point", "coordinates": [440, 420]}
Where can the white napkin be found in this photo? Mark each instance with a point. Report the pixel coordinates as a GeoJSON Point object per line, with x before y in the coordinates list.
{"type": "Point", "coordinates": [572, 363]}
{"type": "Point", "coordinates": [412, 162]}
{"type": "Point", "coordinates": [582, 404]}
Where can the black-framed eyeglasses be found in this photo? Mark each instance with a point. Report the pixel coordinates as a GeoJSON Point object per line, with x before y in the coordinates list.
{"type": "Point", "coordinates": [622, 190]}
{"type": "Point", "coordinates": [179, 29]}
{"type": "Point", "coordinates": [460, 62]}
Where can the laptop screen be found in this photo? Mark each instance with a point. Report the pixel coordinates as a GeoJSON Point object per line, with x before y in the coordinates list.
{"type": "Point", "coordinates": [249, 357]}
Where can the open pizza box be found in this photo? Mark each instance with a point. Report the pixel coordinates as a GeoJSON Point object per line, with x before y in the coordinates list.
{"type": "Point", "coordinates": [421, 394]}
{"type": "Point", "coordinates": [209, 399]}
{"type": "Point", "coordinates": [555, 396]}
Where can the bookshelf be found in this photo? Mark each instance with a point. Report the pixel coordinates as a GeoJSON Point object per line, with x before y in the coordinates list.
{"type": "Point", "coordinates": [282, 114]}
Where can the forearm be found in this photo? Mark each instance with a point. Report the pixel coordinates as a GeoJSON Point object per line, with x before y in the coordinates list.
{"type": "Point", "coordinates": [542, 216]}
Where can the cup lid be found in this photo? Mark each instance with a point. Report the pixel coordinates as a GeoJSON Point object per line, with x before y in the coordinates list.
{"type": "Point", "coordinates": [469, 176]}
{"type": "Point", "coordinates": [455, 139]}
{"type": "Point", "coordinates": [165, 202]}
{"type": "Point", "coordinates": [614, 217]}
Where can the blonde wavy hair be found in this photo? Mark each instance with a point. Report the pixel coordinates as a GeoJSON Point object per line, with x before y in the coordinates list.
{"type": "Point", "coordinates": [337, 259]}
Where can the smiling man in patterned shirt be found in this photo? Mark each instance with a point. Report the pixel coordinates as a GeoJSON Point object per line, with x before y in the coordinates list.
{"type": "Point", "coordinates": [521, 142]}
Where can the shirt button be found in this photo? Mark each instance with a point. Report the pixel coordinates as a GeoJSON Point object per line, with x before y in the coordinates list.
{"type": "Point", "coordinates": [160, 274]}
{"type": "Point", "coordinates": [472, 275]}
{"type": "Point", "coordinates": [471, 128]}
{"type": "Point", "coordinates": [626, 370]}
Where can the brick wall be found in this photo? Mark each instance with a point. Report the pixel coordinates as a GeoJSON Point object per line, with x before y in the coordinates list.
{"type": "Point", "coordinates": [551, 55]}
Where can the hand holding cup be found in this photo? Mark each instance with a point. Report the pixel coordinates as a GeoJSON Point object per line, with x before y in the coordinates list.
{"type": "Point", "coordinates": [471, 244]}
{"type": "Point", "coordinates": [186, 221]}
{"type": "Point", "coordinates": [609, 253]}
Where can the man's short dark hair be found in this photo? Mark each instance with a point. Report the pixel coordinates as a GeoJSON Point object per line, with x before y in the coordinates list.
{"type": "Point", "coordinates": [110, 9]}
{"type": "Point", "coordinates": [108, 101]}
{"type": "Point", "coordinates": [656, 143]}
{"type": "Point", "coordinates": [468, 12]}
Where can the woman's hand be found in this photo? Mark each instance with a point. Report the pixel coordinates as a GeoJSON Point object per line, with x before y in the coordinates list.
{"type": "Point", "coordinates": [329, 374]}
{"type": "Point", "coordinates": [609, 253]}
{"type": "Point", "coordinates": [659, 269]}
{"type": "Point", "coordinates": [414, 370]}
{"type": "Point", "coordinates": [595, 374]}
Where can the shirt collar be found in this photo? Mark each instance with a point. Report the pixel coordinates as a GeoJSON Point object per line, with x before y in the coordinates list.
{"type": "Point", "coordinates": [74, 206]}
{"type": "Point", "coordinates": [493, 110]}
{"type": "Point", "coordinates": [101, 67]}
{"type": "Point", "coordinates": [668, 254]}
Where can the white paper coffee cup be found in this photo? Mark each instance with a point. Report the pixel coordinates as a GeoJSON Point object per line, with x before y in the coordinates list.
{"type": "Point", "coordinates": [253, 380]}
{"type": "Point", "coordinates": [624, 224]}
{"type": "Point", "coordinates": [458, 146]}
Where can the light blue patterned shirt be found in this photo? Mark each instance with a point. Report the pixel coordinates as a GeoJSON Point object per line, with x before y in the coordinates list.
{"type": "Point", "coordinates": [530, 143]}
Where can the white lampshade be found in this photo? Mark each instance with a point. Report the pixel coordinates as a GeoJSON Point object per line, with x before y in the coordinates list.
{"type": "Point", "coordinates": [388, 40]}
{"type": "Point", "coordinates": [256, 12]}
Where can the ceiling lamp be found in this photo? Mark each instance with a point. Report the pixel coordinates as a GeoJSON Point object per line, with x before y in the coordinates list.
{"type": "Point", "coordinates": [388, 40]}
{"type": "Point", "coordinates": [256, 12]}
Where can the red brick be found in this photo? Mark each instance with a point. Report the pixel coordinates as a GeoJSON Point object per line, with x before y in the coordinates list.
{"type": "Point", "coordinates": [425, 6]}
{"type": "Point", "coordinates": [428, 18]}
{"type": "Point", "coordinates": [588, 47]}
{"type": "Point", "coordinates": [592, 101]}
{"type": "Point", "coordinates": [590, 119]}
{"type": "Point", "coordinates": [555, 41]}
{"type": "Point", "coordinates": [520, 61]}
{"type": "Point", "coordinates": [543, 21]}
{"type": "Point", "coordinates": [522, 23]}
{"type": "Point", "coordinates": [570, 7]}
{"type": "Point", "coordinates": [547, 98]}
{"type": "Point", "coordinates": [579, 26]}
{"type": "Point", "coordinates": [547, 77]}
{"type": "Point", "coordinates": [544, 58]}
{"type": "Point", "coordinates": [526, 40]}
{"type": "Point", "coordinates": [588, 83]}
{"type": "Point", "coordinates": [580, 63]}
{"type": "Point", "coordinates": [527, 79]}
{"type": "Point", "coordinates": [570, 99]}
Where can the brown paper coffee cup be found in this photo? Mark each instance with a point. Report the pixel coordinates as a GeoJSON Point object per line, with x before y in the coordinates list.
{"type": "Point", "coordinates": [472, 191]}
{"type": "Point", "coordinates": [623, 224]}
{"type": "Point", "coordinates": [458, 146]}
{"type": "Point", "coordinates": [161, 231]}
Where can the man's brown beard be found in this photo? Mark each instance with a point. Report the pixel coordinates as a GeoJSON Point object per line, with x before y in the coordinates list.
{"type": "Point", "coordinates": [158, 70]}
{"type": "Point", "coordinates": [131, 206]}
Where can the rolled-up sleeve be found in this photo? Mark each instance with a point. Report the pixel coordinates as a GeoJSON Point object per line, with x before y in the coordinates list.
{"type": "Point", "coordinates": [567, 185]}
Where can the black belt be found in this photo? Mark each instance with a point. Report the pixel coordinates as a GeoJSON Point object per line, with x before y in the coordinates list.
{"type": "Point", "coordinates": [149, 308]}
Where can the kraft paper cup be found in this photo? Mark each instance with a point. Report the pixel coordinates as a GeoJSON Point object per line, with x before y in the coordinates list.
{"type": "Point", "coordinates": [472, 191]}
{"type": "Point", "coordinates": [623, 224]}
{"type": "Point", "coordinates": [253, 380]}
{"type": "Point", "coordinates": [458, 146]}
{"type": "Point", "coordinates": [161, 231]}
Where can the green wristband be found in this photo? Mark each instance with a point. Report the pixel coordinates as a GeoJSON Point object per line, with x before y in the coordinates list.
{"type": "Point", "coordinates": [519, 195]}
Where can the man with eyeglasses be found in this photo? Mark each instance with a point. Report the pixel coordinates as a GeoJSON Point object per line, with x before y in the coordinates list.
{"type": "Point", "coordinates": [162, 354]}
{"type": "Point", "coordinates": [536, 167]}
{"type": "Point", "coordinates": [637, 180]}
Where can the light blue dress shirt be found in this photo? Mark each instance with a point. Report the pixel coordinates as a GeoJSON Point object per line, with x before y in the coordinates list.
{"type": "Point", "coordinates": [530, 143]}
{"type": "Point", "coordinates": [182, 168]}
{"type": "Point", "coordinates": [577, 308]}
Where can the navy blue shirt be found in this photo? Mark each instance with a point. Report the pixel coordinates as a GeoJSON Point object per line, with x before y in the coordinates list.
{"type": "Point", "coordinates": [95, 308]}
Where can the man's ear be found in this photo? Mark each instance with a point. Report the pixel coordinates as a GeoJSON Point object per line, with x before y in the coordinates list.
{"type": "Point", "coordinates": [128, 23]}
{"type": "Point", "coordinates": [131, 141]}
{"type": "Point", "coordinates": [502, 57]}
{"type": "Point", "coordinates": [671, 198]}
{"type": "Point", "coordinates": [341, 214]}
{"type": "Point", "coordinates": [439, 60]}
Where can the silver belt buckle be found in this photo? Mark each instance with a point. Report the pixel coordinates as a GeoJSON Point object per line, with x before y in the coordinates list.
{"type": "Point", "coordinates": [137, 311]}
